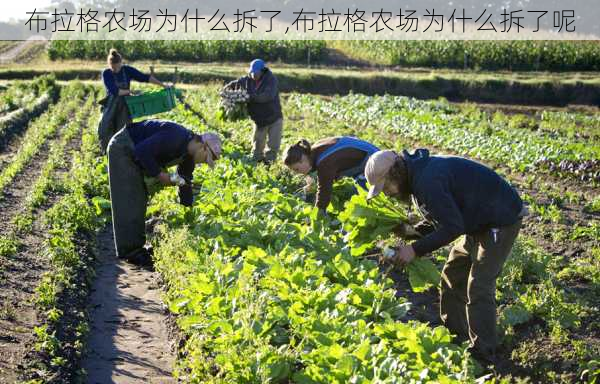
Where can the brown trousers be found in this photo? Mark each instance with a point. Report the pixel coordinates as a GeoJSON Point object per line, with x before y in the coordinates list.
{"type": "Point", "coordinates": [468, 287]}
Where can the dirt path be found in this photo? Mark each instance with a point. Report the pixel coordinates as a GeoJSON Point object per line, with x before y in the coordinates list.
{"type": "Point", "coordinates": [25, 51]}
{"type": "Point", "coordinates": [128, 340]}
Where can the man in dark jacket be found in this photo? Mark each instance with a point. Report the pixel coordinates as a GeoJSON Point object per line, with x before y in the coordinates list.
{"type": "Point", "coordinates": [264, 108]}
{"type": "Point", "coordinates": [147, 148]}
{"type": "Point", "coordinates": [458, 197]}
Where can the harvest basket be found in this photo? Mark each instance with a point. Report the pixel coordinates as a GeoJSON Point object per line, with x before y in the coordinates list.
{"type": "Point", "coordinates": [151, 103]}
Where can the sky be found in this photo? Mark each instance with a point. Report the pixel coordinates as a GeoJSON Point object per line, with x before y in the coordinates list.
{"type": "Point", "coordinates": [16, 8]}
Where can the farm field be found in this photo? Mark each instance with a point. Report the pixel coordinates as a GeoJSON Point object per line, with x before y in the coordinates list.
{"type": "Point", "coordinates": [49, 172]}
{"type": "Point", "coordinates": [251, 284]}
{"type": "Point", "coordinates": [547, 292]}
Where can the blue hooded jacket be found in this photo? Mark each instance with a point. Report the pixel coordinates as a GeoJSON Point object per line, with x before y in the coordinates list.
{"type": "Point", "coordinates": [458, 196]}
{"type": "Point", "coordinates": [264, 106]}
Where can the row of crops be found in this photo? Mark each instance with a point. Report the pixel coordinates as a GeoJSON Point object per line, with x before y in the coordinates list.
{"type": "Point", "coordinates": [265, 291]}
{"type": "Point", "coordinates": [22, 93]}
{"type": "Point", "coordinates": [493, 138]}
{"type": "Point", "coordinates": [474, 54]}
{"type": "Point", "coordinates": [23, 101]}
{"type": "Point", "coordinates": [200, 50]}
{"type": "Point", "coordinates": [47, 184]}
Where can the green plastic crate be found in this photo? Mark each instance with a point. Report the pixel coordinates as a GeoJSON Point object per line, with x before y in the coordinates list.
{"type": "Point", "coordinates": [151, 103]}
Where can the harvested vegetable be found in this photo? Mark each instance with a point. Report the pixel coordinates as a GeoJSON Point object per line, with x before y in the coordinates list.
{"type": "Point", "coordinates": [233, 104]}
{"type": "Point", "coordinates": [366, 221]}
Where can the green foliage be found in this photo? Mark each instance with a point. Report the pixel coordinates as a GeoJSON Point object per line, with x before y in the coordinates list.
{"type": "Point", "coordinates": [591, 232]}
{"type": "Point", "coordinates": [41, 130]}
{"type": "Point", "coordinates": [238, 112]}
{"type": "Point", "coordinates": [249, 253]}
{"type": "Point", "coordinates": [71, 216]}
{"type": "Point", "coordinates": [8, 245]}
{"type": "Point", "coordinates": [101, 204]}
{"type": "Point", "coordinates": [593, 206]}
{"type": "Point", "coordinates": [21, 93]}
{"type": "Point", "coordinates": [591, 372]}
{"type": "Point", "coordinates": [445, 126]}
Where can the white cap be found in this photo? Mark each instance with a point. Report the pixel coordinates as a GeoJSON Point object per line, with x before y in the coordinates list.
{"type": "Point", "coordinates": [377, 169]}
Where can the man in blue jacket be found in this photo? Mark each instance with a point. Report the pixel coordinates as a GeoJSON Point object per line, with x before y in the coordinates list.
{"type": "Point", "coordinates": [264, 108]}
{"type": "Point", "coordinates": [458, 197]}
{"type": "Point", "coordinates": [146, 149]}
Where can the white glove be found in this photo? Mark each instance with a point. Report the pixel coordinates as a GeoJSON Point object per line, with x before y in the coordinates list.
{"type": "Point", "coordinates": [177, 180]}
{"type": "Point", "coordinates": [389, 253]}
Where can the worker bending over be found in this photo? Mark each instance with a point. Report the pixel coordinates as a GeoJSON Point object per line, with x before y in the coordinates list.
{"type": "Point", "coordinates": [331, 158]}
{"type": "Point", "coordinates": [147, 148]}
{"type": "Point", "coordinates": [458, 197]}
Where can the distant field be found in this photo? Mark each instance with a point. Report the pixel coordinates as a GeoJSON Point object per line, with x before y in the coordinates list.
{"type": "Point", "coordinates": [490, 55]}
{"type": "Point", "coordinates": [7, 45]}
{"type": "Point", "coordinates": [198, 51]}
{"type": "Point", "coordinates": [525, 88]}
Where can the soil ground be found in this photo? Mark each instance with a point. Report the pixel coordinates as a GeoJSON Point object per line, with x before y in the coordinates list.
{"type": "Point", "coordinates": [129, 341]}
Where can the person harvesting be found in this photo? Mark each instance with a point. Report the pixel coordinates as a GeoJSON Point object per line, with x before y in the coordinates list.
{"type": "Point", "coordinates": [331, 158]}
{"type": "Point", "coordinates": [264, 108]}
{"type": "Point", "coordinates": [147, 148]}
{"type": "Point", "coordinates": [460, 198]}
{"type": "Point", "coordinates": [117, 80]}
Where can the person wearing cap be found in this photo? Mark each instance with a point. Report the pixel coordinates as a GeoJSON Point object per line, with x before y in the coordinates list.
{"type": "Point", "coordinates": [147, 148]}
{"type": "Point", "coordinates": [331, 158]}
{"type": "Point", "coordinates": [458, 197]}
{"type": "Point", "coordinates": [264, 108]}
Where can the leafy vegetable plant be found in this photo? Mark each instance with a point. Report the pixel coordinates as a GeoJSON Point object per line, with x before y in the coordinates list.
{"type": "Point", "coordinates": [365, 221]}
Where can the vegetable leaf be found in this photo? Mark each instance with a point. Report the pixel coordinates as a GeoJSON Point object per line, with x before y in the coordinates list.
{"type": "Point", "coordinates": [422, 274]}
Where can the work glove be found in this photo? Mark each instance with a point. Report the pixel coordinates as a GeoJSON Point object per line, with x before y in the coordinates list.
{"type": "Point", "coordinates": [424, 228]}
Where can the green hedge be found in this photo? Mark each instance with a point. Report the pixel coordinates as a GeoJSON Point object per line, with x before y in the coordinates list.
{"type": "Point", "coordinates": [197, 51]}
